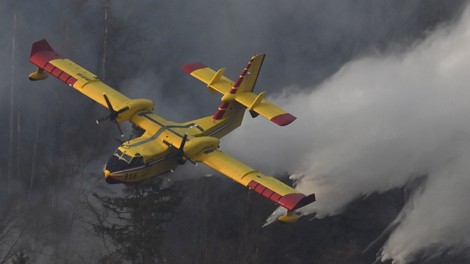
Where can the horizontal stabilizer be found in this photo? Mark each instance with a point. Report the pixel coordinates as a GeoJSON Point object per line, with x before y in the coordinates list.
{"type": "Point", "coordinates": [207, 75]}
{"type": "Point", "coordinates": [240, 91]}
{"type": "Point", "coordinates": [265, 108]}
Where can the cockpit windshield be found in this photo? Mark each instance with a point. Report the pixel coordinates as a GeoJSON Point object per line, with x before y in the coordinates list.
{"type": "Point", "coordinates": [132, 161]}
{"type": "Point", "coordinates": [123, 156]}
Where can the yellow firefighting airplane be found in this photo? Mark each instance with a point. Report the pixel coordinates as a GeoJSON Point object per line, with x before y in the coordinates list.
{"type": "Point", "coordinates": [165, 143]}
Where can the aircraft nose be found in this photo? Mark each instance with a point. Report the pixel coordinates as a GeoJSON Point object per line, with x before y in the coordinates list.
{"type": "Point", "coordinates": [108, 178]}
{"type": "Point", "coordinates": [115, 164]}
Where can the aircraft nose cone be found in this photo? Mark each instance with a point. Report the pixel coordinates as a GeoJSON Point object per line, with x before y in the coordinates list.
{"type": "Point", "coordinates": [107, 173]}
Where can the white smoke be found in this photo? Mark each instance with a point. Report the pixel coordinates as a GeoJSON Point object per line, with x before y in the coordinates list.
{"type": "Point", "coordinates": [377, 124]}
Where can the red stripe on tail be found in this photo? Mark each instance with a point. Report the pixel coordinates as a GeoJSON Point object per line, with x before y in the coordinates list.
{"type": "Point", "coordinates": [219, 114]}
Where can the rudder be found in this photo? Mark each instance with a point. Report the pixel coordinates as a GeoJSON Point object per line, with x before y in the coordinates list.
{"type": "Point", "coordinates": [245, 83]}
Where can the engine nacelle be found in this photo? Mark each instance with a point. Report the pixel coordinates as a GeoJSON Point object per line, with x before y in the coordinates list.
{"type": "Point", "coordinates": [135, 106]}
{"type": "Point", "coordinates": [199, 144]}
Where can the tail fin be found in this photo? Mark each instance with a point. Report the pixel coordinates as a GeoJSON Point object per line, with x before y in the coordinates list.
{"type": "Point", "coordinates": [240, 92]}
{"type": "Point", "coordinates": [247, 80]}
{"type": "Point", "coordinates": [245, 83]}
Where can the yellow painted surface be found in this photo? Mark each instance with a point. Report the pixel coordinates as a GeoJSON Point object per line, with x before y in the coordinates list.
{"type": "Point", "coordinates": [289, 217]}
{"type": "Point", "coordinates": [89, 84]}
{"type": "Point", "coordinates": [245, 94]}
{"type": "Point", "coordinates": [242, 173]}
{"type": "Point", "coordinates": [159, 145]}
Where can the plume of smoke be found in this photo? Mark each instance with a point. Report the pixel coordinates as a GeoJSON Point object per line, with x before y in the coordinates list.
{"type": "Point", "coordinates": [378, 123]}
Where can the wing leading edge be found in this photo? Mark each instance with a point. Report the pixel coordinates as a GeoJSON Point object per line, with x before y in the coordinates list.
{"type": "Point", "coordinates": [267, 186]}
{"type": "Point", "coordinates": [50, 62]}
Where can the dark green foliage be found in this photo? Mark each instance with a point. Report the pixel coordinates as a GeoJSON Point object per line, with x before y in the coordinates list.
{"type": "Point", "coordinates": [20, 257]}
{"type": "Point", "coordinates": [137, 220]}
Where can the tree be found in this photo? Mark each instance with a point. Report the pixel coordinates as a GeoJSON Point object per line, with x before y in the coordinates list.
{"type": "Point", "coordinates": [137, 219]}
{"type": "Point", "coordinates": [20, 257]}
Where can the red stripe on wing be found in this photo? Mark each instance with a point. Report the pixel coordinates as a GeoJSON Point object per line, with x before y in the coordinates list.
{"type": "Point", "coordinates": [41, 54]}
{"type": "Point", "coordinates": [289, 201]}
{"type": "Point", "coordinates": [63, 76]}
{"type": "Point", "coordinates": [189, 68]}
{"type": "Point", "coordinates": [59, 74]}
{"type": "Point", "coordinates": [49, 67]}
{"type": "Point", "coordinates": [71, 81]}
{"type": "Point", "coordinates": [56, 72]}
{"type": "Point", "coordinates": [293, 201]}
{"type": "Point", "coordinates": [275, 197]}
{"type": "Point", "coordinates": [267, 193]}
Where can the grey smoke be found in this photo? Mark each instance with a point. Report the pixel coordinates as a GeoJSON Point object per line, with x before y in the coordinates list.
{"type": "Point", "coordinates": [378, 123]}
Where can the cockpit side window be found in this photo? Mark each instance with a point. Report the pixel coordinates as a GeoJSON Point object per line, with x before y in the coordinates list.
{"type": "Point", "coordinates": [137, 161]}
{"type": "Point", "coordinates": [118, 153]}
{"type": "Point", "coordinates": [126, 157]}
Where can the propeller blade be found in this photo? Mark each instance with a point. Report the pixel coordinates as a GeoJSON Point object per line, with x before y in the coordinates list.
{"type": "Point", "coordinates": [110, 106]}
{"type": "Point", "coordinates": [123, 109]}
{"type": "Point", "coordinates": [183, 142]}
{"type": "Point", "coordinates": [180, 151]}
{"type": "Point", "coordinates": [113, 114]}
{"type": "Point", "coordinates": [190, 160]}
{"type": "Point", "coordinates": [119, 128]}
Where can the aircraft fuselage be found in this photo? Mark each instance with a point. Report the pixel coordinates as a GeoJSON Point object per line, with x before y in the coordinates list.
{"type": "Point", "coordinates": [158, 151]}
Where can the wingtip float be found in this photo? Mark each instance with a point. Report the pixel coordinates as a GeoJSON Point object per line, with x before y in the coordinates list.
{"type": "Point", "coordinates": [165, 144]}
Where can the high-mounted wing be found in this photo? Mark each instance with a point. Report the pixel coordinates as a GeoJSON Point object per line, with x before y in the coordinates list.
{"type": "Point", "coordinates": [269, 187]}
{"type": "Point", "coordinates": [241, 91]}
{"type": "Point", "coordinates": [50, 62]}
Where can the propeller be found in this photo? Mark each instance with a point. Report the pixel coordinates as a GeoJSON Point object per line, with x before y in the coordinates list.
{"type": "Point", "coordinates": [113, 114]}
{"type": "Point", "coordinates": [181, 157]}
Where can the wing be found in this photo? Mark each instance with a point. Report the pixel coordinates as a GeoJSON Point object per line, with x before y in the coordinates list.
{"type": "Point", "coordinates": [48, 61]}
{"type": "Point", "coordinates": [269, 187]}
